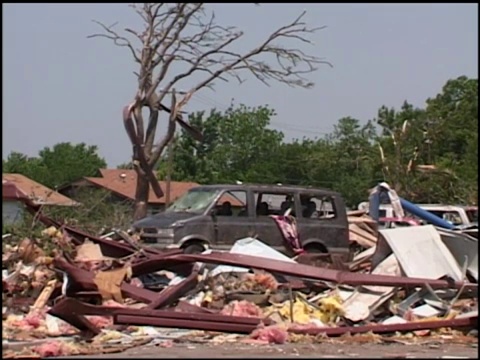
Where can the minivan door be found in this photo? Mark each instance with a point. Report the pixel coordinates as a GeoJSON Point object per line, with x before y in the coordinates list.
{"type": "Point", "coordinates": [231, 219]}
{"type": "Point", "coordinates": [269, 203]}
{"type": "Point", "coordinates": [320, 220]}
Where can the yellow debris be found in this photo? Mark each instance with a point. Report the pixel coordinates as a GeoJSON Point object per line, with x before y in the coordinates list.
{"type": "Point", "coordinates": [208, 298]}
{"type": "Point", "coordinates": [331, 308]}
{"type": "Point", "coordinates": [107, 336]}
{"type": "Point", "coordinates": [53, 232]}
{"type": "Point", "coordinates": [303, 313]}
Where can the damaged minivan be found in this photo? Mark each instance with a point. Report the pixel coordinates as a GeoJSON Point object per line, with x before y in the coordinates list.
{"type": "Point", "coordinates": [215, 216]}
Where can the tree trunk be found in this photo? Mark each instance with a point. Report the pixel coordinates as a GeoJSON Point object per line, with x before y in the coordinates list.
{"type": "Point", "coordinates": [141, 196]}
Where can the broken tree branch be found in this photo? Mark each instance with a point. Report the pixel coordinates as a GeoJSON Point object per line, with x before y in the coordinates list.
{"type": "Point", "coordinates": [117, 39]}
{"type": "Point", "coordinates": [170, 132]}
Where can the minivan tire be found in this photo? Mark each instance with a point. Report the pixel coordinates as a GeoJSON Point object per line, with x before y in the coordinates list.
{"type": "Point", "coordinates": [314, 248]}
{"type": "Point", "coordinates": [194, 249]}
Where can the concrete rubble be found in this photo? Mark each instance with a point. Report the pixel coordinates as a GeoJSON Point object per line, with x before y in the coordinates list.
{"type": "Point", "coordinates": [94, 295]}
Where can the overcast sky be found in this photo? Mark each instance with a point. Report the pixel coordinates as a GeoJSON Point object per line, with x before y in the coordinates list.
{"type": "Point", "coordinates": [60, 86]}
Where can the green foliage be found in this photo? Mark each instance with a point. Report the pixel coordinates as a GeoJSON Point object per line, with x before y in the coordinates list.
{"type": "Point", "coordinates": [57, 166]}
{"type": "Point", "coordinates": [238, 145]}
{"type": "Point", "coordinates": [444, 134]}
{"type": "Point", "coordinates": [31, 167]}
{"type": "Point", "coordinates": [454, 115]}
{"type": "Point", "coordinates": [28, 227]}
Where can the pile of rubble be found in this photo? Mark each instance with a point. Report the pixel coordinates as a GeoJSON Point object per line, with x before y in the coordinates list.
{"type": "Point", "coordinates": [362, 229]}
{"type": "Point", "coordinates": [97, 295]}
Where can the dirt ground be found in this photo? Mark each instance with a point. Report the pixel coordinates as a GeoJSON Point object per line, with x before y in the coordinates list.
{"type": "Point", "coordinates": [322, 350]}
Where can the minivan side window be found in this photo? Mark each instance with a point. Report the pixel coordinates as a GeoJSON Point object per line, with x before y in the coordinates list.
{"type": "Point", "coordinates": [318, 207]}
{"type": "Point", "coordinates": [232, 203]}
{"type": "Point", "coordinates": [267, 204]}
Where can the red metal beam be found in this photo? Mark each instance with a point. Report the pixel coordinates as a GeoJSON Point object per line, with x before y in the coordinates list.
{"type": "Point", "coordinates": [302, 271]}
{"type": "Point", "coordinates": [184, 306]}
{"type": "Point", "coordinates": [173, 292]}
{"type": "Point", "coordinates": [63, 310]}
{"type": "Point", "coordinates": [184, 324]}
{"type": "Point", "coordinates": [381, 328]}
{"type": "Point", "coordinates": [81, 308]}
{"type": "Point", "coordinates": [306, 271]}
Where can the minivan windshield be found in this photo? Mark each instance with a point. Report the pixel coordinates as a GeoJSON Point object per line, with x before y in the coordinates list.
{"type": "Point", "coordinates": [195, 201]}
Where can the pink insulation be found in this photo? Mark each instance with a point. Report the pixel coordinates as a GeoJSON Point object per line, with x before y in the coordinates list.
{"type": "Point", "coordinates": [272, 334]}
{"type": "Point", "coordinates": [242, 308]}
{"type": "Point", "coordinates": [50, 349]}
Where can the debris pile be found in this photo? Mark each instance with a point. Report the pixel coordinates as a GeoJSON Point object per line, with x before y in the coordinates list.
{"type": "Point", "coordinates": [119, 294]}
{"type": "Point", "coordinates": [362, 229]}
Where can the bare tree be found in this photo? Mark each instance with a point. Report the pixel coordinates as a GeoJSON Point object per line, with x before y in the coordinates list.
{"type": "Point", "coordinates": [186, 35]}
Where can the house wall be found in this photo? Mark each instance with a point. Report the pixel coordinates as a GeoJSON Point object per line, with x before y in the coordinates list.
{"type": "Point", "coordinates": [12, 211]}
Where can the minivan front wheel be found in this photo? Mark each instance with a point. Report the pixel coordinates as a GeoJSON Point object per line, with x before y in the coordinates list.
{"type": "Point", "coordinates": [316, 249]}
{"type": "Point", "coordinates": [194, 248]}
{"type": "Point", "coordinates": [322, 258]}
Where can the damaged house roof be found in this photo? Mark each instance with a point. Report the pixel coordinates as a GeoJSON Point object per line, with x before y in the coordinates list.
{"type": "Point", "coordinates": [122, 183]}
{"type": "Point", "coordinates": [20, 187]}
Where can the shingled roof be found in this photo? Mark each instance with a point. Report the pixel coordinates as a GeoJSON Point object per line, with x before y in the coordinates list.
{"type": "Point", "coordinates": [123, 182]}
{"type": "Point", "coordinates": [20, 187]}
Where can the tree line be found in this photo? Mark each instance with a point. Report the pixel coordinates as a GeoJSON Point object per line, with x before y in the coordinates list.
{"type": "Point", "coordinates": [428, 154]}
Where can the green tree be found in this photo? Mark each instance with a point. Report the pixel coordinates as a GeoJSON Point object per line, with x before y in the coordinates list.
{"type": "Point", "coordinates": [454, 131]}
{"type": "Point", "coordinates": [237, 145]}
{"type": "Point", "coordinates": [409, 163]}
{"type": "Point", "coordinates": [344, 160]}
{"type": "Point", "coordinates": [292, 162]}
{"type": "Point", "coordinates": [59, 165]}
{"type": "Point", "coordinates": [354, 159]}
{"type": "Point", "coordinates": [401, 144]}
{"type": "Point", "coordinates": [31, 167]}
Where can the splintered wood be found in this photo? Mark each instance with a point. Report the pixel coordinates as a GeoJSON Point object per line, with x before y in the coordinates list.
{"type": "Point", "coordinates": [45, 295]}
{"type": "Point", "coordinates": [363, 230]}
